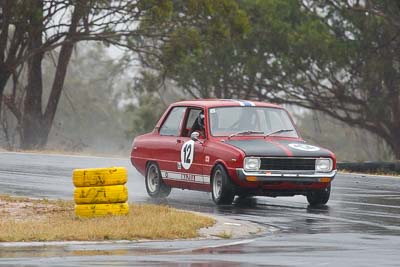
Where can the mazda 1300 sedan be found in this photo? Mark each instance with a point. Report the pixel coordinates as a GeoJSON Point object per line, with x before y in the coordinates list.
{"type": "Point", "coordinates": [232, 148]}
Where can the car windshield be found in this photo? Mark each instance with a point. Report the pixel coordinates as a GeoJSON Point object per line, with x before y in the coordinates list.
{"type": "Point", "coordinates": [234, 121]}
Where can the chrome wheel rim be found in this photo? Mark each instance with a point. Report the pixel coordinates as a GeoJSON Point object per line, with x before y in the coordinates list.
{"type": "Point", "coordinates": [217, 184]}
{"type": "Point", "coordinates": [152, 179]}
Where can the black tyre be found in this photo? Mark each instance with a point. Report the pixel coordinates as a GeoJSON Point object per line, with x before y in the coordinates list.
{"type": "Point", "coordinates": [155, 186]}
{"type": "Point", "coordinates": [320, 197]}
{"type": "Point", "coordinates": [223, 191]}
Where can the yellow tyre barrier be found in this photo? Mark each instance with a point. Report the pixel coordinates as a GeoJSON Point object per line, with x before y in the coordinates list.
{"type": "Point", "coordinates": [94, 210]}
{"type": "Point", "coordinates": [101, 194]}
{"type": "Point", "coordinates": [99, 176]}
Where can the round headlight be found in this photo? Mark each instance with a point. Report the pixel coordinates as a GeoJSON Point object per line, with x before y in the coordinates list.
{"type": "Point", "coordinates": [252, 164]}
{"type": "Point", "coordinates": [323, 165]}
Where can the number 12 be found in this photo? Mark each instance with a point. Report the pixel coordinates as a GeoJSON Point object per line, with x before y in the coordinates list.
{"type": "Point", "coordinates": [186, 153]}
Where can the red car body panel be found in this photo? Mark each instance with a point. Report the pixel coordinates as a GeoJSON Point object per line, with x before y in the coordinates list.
{"type": "Point", "coordinates": [166, 151]}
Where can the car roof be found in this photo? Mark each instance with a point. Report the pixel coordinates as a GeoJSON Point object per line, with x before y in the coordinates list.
{"type": "Point", "coordinates": [212, 103]}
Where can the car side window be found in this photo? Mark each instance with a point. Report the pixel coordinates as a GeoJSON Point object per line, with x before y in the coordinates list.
{"type": "Point", "coordinates": [193, 114]}
{"type": "Point", "coordinates": [172, 125]}
{"type": "Point", "coordinates": [191, 118]}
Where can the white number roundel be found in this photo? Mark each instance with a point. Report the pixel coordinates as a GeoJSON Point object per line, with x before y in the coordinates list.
{"type": "Point", "coordinates": [187, 153]}
{"type": "Point", "coordinates": [304, 147]}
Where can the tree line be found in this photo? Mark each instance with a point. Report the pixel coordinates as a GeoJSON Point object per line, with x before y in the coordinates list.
{"type": "Point", "coordinates": [336, 57]}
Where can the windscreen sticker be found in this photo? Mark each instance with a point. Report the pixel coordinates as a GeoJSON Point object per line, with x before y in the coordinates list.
{"type": "Point", "coordinates": [187, 154]}
{"type": "Point", "coordinates": [304, 147]}
{"type": "Point", "coordinates": [212, 110]}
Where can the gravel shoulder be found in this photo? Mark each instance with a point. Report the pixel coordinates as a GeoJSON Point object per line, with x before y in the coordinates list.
{"type": "Point", "coordinates": [226, 228]}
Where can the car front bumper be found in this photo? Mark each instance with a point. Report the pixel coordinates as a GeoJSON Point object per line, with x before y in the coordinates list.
{"type": "Point", "coordinates": [286, 176]}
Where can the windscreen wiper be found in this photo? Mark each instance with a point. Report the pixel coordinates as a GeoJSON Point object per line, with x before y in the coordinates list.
{"type": "Point", "coordinates": [279, 131]}
{"type": "Point", "coordinates": [245, 132]}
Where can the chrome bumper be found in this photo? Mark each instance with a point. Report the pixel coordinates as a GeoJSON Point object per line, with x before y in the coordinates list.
{"type": "Point", "coordinates": [287, 176]}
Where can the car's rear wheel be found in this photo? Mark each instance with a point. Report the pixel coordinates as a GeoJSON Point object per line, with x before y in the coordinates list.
{"type": "Point", "coordinates": [320, 197]}
{"type": "Point", "coordinates": [223, 191]}
{"type": "Point", "coordinates": [155, 186]}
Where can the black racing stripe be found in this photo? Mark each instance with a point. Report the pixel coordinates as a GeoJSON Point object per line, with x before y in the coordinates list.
{"type": "Point", "coordinates": [258, 147]}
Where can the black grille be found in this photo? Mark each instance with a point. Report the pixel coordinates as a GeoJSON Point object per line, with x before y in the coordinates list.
{"type": "Point", "coordinates": [287, 164]}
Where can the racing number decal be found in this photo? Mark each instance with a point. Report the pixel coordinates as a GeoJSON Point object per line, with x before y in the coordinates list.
{"type": "Point", "coordinates": [187, 153]}
{"type": "Point", "coordinates": [304, 147]}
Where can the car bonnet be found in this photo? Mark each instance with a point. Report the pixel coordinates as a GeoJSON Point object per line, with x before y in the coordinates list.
{"type": "Point", "coordinates": [279, 148]}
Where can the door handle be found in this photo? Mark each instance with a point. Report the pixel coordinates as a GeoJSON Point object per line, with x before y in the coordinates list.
{"type": "Point", "coordinates": [179, 141]}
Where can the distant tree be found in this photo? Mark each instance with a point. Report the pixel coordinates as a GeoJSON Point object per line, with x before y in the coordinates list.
{"type": "Point", "coordinates": [199, 54]}
{"type": "Point", "coordinates": [359, 84]}
{"type": "Point", "coordinates": [88, 116]}
{"type": "Point", "coordinates": [33, 29]}
{"type": "Point", "coordinates": [338, 57]}
{"type": "Point", "coordinates": [149, 97]}
{"type": "Point", "coordinates": [192, 23]}
{"type": "Point", "coordinates": [349, 143]}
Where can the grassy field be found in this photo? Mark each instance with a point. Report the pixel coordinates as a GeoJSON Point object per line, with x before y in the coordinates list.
{"type": "Point", "coordinates": [23, 219]}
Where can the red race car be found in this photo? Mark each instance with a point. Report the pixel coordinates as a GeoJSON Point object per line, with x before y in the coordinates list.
{"type": "Point", "coordinates": [232, 147]}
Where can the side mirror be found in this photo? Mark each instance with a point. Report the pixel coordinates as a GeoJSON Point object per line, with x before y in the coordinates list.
{"type": "Point", "coordinates": [195, 137]}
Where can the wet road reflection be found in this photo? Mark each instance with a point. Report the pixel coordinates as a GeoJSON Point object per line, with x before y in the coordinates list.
{"type": "Point", "coordinates": [359, 227]}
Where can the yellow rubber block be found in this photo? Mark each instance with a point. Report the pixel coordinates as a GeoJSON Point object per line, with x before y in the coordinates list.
{"type": "Point", "coordinates": [97, 210]}
{"type": "Point", "coordinates": [100, 176]}
{"type": "Point", "coordinates": [101, 194]}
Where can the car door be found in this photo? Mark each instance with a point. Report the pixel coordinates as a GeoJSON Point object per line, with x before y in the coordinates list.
{"type": "Point", "coordinates": [192, 154]}
{"type": "Point", "coordinates": [166, 144]}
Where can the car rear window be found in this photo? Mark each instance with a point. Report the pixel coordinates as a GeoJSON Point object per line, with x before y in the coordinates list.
{"type": "Point", "coordinates": [172, 124]}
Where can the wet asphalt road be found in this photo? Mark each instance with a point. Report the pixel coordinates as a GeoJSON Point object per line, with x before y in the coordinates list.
{"type": "Point", "coordinates": [359, 227]}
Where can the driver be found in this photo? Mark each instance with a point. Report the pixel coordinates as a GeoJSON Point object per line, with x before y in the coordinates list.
{"type": "Point", "coordinates": [198, 125]}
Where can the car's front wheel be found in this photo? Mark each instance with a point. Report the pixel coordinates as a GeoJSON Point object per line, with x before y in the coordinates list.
{"type": "Point", "coordinates": [155, 186]}
{"type": "Point", "coordinates": [223, 191]}
{"type": "Point", "coordinates": [320, 197]}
